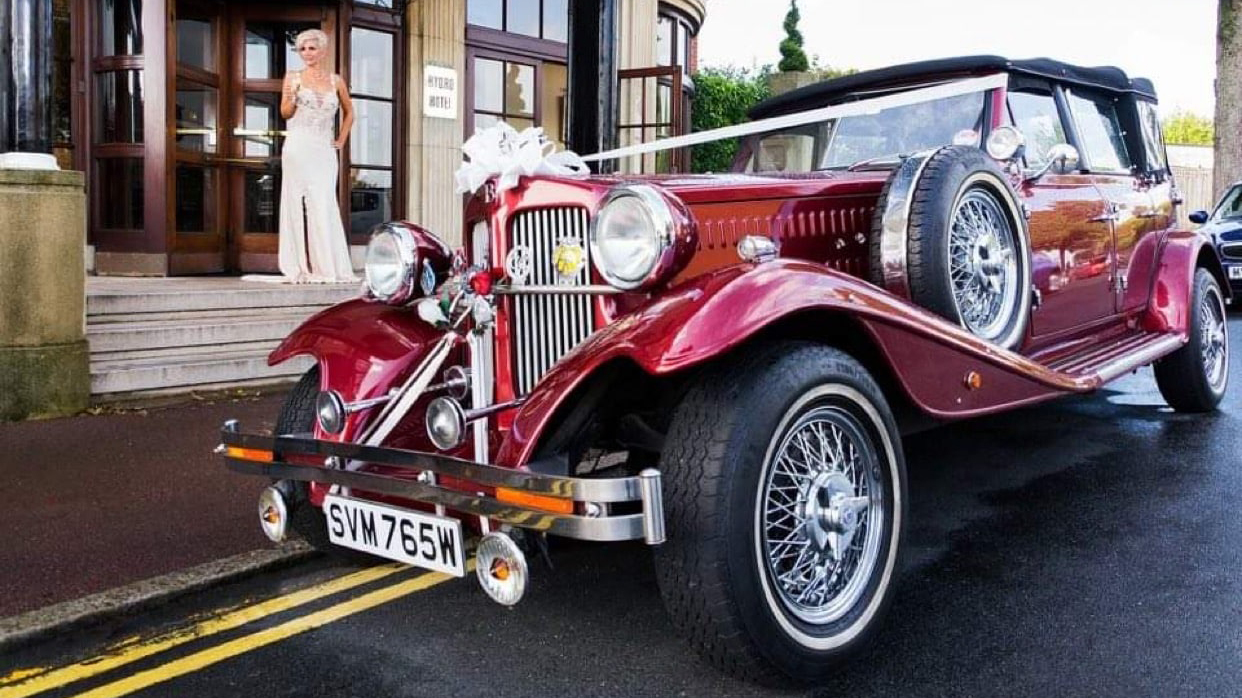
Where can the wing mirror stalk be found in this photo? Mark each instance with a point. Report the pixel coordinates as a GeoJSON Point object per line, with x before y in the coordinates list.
{"type": "Point", "coordinates": [1062, 159]}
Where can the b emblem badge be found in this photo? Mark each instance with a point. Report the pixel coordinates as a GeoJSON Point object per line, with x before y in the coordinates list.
{"type": "Point", "coordinates": [518, 264]}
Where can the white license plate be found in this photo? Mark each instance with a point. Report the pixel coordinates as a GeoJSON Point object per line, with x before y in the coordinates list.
{"type": "Point", "coordinates": [422, 540]}
{"type": "Point", "coordinates": [1235, 272]}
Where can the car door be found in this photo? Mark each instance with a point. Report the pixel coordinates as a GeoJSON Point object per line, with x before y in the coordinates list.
{"type": "Point", "coordinates": [1161, 217]}
{"type": "Point", "coordinates": [1071, 241]}
{"type": "Point", "coordinates": [1112, 163]}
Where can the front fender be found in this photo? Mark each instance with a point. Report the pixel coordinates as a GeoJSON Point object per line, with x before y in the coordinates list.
{"type": "Point", "coordinates": [1182, 253]}
{"type": "Point", "coordinates": [717, 312]}
{"type": "Point", "coordinates": [362, 347]}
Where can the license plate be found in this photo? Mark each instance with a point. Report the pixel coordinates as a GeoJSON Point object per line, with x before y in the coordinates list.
{"type": "Point", "coordinates": [422, 540]}
{"type": "Point", "coordinates": [1235, 272]}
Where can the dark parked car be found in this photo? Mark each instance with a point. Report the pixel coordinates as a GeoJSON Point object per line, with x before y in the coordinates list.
{"type": "Point", "coordinates": [722, 366]}
{"type": "Point", "coordinates": [1224, 226]}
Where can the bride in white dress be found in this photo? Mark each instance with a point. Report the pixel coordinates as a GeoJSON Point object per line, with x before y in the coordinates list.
{"type": "Point", "coordinates": [313, 247]}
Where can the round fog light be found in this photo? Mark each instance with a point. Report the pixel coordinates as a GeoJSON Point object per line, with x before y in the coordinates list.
{"type": "Point", "coordinates": [273, 514]}
{"type": "Point", "coordinates": [501, 568]}
{"type": "Point", "coordinates": [446, 423]}
{"type": "Point", "coordinates": [330, 410]}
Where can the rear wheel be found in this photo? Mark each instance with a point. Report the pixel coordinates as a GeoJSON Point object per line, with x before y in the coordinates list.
{"type": "Point", "coordinates": [1193, 378]}
{"type": "Point", "coordinates": [785, 499]}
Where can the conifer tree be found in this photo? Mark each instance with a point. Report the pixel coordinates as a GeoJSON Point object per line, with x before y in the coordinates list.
{"type": "Point", "coordinates": [793, 58]}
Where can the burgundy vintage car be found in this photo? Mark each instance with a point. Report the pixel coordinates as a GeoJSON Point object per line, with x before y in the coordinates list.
{"type": "Point", "coordinates": [722, 366]}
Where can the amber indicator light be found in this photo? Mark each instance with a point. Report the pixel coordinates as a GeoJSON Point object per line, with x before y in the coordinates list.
{"type": "Point", "coordinates": [556, 505]}
{"type": "Point", "coordinates": [248, 454]}
{"type": "Point", "coordinates": [973, 380]}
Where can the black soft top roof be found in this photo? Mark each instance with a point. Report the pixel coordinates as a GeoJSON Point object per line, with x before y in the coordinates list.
{"type": "Point", "coordinates": [822, 93]}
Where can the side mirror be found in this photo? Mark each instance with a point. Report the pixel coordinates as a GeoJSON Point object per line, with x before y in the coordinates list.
{"type": "Point", "coordinates": [1062, 159]}
{"type": "Point", "coordinates": [1198, 217]}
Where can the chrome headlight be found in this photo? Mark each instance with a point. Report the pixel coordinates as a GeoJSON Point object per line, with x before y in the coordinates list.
{"type": "Point", "coordinates": [392, 264]}
{"type": "Point", "coordinates": [631, 236]}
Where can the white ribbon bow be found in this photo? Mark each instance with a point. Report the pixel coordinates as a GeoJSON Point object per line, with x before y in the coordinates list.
{"type": "Point", "coordinates": [501, 150]}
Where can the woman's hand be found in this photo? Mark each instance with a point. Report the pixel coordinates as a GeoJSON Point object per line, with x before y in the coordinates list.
{"type": "Point", "coordinates": [289, 95]}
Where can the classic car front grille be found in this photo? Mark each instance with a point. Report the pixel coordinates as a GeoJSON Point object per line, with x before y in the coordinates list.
{"type": "Point", "coordinates": [546, 327]}
{"type": "Point", "coordinates": [1231, 250]}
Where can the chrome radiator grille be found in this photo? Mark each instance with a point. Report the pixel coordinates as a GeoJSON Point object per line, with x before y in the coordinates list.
{"type": "Point", "coordinates": [544, 327]}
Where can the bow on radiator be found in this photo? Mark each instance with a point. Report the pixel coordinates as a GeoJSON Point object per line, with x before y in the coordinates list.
{"type": "Point", "coordinates": [502, 151]}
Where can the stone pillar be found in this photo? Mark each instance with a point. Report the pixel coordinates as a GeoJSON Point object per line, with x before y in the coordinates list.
{"type": "Point", "coordinates": [780, 83]}
{"type": "Point", "coordinates": [593, 28]}
{"type": "Point", "coordinates": [44, 365]}
{"type": "Point", "coordinates": [437, 31]}
{"type": "Point", "coordinates": [26, 83]}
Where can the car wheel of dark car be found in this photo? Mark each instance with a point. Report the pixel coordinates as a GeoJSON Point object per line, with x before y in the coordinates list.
{"type": "Point", "coordinates": [297, 416]}
{"type": "Point", "coordinates": [1193, 378]}
{"type": "Point", "coordinates": [785, 498]}
{"type": "Point", "coordinates": [967, 252]}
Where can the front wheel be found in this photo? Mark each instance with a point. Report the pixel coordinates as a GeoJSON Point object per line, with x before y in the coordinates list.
{"type": "Point", "coordinates": [785, 499]}
{"type": "Point", "coordinates": [1193, 378]}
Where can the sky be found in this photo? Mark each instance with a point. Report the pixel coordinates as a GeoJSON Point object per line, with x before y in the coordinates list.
{"type": "Point", "coordinates": [1172, 43]}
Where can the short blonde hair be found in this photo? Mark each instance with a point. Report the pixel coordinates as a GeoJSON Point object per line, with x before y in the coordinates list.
{"type": "Point", "coordinates": [315, 35]}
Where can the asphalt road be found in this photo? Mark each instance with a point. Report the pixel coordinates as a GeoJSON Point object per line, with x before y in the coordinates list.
{"type": "Point", "coordinates": [1089, 547]}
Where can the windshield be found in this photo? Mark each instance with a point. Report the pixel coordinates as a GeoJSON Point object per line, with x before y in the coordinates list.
{"type": "Point", "coordinates": [1230, 207]}
{"type": "Point", "coordinates": [886, 134]}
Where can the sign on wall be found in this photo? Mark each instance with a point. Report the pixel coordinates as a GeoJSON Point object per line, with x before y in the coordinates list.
{"type": "Point", "coordinates": [439, 92]}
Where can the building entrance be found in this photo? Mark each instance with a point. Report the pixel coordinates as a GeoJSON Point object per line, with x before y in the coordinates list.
{"type": "Point", "coordinates": [228, 131]}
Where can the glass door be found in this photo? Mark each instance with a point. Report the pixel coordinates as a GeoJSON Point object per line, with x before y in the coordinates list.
{"type": "Point", "coordinates": [261, 39]}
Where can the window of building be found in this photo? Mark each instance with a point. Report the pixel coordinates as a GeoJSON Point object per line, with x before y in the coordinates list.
{"type": "Point", "coordinates": [516, 68]}
{"type": "Point", "coordinates": [117, 105]}
{"type": "Point", "coordinates": [543, 19]}
{"type": "Point", "coordinates": [372, 143]}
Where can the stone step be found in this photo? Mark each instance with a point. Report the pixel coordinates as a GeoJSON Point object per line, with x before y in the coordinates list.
{"type": "Point", "coordinates": [219, 315]}
{"type": "Point", "coordinates": [172, 354]}
{"type": "Point", "coordinates": [181, 295]}
{"type": "Point", "coordinates": [180, 331]}
{"type": "Point", "coordinates": [187, 370]}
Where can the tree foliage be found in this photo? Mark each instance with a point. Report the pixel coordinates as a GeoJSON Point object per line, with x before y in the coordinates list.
{"type": "Point", "coordinates": [722, 96]}
{"type": "Point", "coordinates": [1188, 128]}
{"type": "Point", "coordinates": [793, 58]}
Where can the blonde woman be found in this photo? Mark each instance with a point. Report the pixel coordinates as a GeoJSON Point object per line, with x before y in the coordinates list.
{"type": "Point", "coordinates": [313, 247]}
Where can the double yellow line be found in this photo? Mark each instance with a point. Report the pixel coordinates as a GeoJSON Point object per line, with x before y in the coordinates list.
{"type": "Point", "coordinates": [27, 682]}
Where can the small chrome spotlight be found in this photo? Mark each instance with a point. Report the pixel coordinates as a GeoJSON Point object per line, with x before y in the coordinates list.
{"type": "Point", "coordinates": [330, 411]}
{"type": "Point", "coordinates": [501, 568]}
{"type": "Point", "coordinates": [446, 423]}
{"type": "Point", "coordinates": [273, 513]}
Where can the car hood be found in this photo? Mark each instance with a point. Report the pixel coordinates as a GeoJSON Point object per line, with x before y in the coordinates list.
{"type": "Point", "coordinates": [732, 186]}
{"type": "Point", "coordinates": [1223, 231]}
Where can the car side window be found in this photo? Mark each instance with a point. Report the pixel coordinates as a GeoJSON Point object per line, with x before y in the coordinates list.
{"type": "Point", "coordinates": [1230, 205]}
{"type": "Point", "coordinates": [1153, 139]}
{"type": "Point", "coordinates": [1100, 131]}
{"type": "Point", "coordinates": [1035, 116]}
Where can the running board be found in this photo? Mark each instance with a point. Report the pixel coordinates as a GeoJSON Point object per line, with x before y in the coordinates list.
{"type": "Point", "coordinates": [1116, 357]}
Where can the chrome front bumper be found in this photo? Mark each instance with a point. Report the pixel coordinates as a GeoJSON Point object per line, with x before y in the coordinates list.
{"type": "Point", "coordinates": [593, 500]}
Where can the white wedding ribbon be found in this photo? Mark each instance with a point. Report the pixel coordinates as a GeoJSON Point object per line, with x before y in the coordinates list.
{"type": "Point", "coordinates": [502, 151]}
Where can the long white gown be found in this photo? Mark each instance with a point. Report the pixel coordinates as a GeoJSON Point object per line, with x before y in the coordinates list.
{"type": "Point", "coordinates": [313, 249]}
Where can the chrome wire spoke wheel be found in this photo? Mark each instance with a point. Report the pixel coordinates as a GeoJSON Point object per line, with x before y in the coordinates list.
{"type": "Point", "coordinates": [983, 264]}
{"type": "Point", "coordinates": [1214, 339]}
{"type": "Point", "coordinates": [822, 515]}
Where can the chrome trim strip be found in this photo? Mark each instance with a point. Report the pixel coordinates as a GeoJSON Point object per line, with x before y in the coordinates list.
{"type": "Point", "coordinates": [1156, 350]}
{"type": "Point", "coordinates": [532, 290]}
{"type": "Point", "coordinates": [894, 226]}
{"type": "Point", "coordinates": [578, 489]}
{"type": "Point", "coordinates": [603, 529]}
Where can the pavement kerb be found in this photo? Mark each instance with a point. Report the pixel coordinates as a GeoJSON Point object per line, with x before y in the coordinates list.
{"type": "Point", "coordinates": [29, 627]}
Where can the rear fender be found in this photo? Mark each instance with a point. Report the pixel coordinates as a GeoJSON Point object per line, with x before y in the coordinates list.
{"type": "Point", "coordinates": [717, 312]}
{"type": "Point", "coordinates": [1182, 253]}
